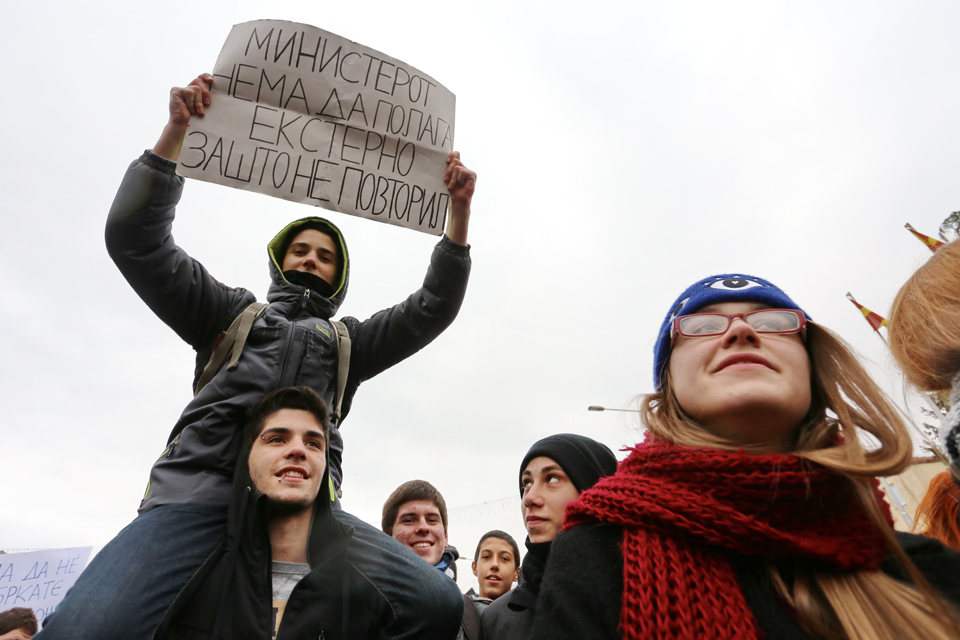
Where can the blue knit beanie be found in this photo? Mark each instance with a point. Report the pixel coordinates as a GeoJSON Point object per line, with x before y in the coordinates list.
{"type": "Point", "coordinates": [715, 289]}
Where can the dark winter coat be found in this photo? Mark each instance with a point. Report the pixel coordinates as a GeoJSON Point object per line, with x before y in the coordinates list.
{"type": "Point", "coordinates": [292, 344]}
{"type": "Point", "coordinates": [584, 603]}
{"type": "Point", "coordinates": [231, 595]}
{"type": "Point", "coordinates": [511, 616]}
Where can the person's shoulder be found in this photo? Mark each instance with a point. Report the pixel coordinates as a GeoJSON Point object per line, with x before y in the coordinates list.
{"type": "Point", "coordinates": [596, 538]}
{"type": "Point", "coordinates": [500, 621]}
{"type": "Point", "coordinates": [938, 563]}
{"type": "Point", "coordinates": [492, 612]}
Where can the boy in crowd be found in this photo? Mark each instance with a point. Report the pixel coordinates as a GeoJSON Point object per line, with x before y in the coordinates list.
{"type": "Point", "coordinates": [552, 474]}
{"type": "Point", "coordinates": [19, 623]}
{"type": "Point", "coordinates": [496, 563]}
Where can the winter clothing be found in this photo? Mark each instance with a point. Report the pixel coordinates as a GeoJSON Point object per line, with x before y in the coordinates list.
{"type": "Point", "coordinates": [230, 596]}
{"type": "Point", "coordinates": [510, 617]}
{"type": "Point", "coordinates": [714, 290]}
{"type": "Point", "coordinates": [674, 545]}
{"type": "Point", "coordinates": [583, 459]}
{"type": "Point", "coordinates": [470, 625]}
{"type": "Point", "coordinates": [479, 601]}
{"type": "Point", "coordinates": [586, 604]}
{"type": "Point", "coordinates": [291, 344]}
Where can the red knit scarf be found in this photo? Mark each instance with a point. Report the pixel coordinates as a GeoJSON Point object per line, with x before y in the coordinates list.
{"type": "Point", "coordinates": [682, 509]}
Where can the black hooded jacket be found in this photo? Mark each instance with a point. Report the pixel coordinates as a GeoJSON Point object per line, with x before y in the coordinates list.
{"type": "Point", "coordinates": [291, 344]}
{"type": "Point", "coordinates": [231, 595]}
{"type": "Point", "coordinates": [510, 617]}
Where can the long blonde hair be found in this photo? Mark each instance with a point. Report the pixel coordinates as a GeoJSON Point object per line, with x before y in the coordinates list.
{"type": "Point", "coordinates": [854, 605]}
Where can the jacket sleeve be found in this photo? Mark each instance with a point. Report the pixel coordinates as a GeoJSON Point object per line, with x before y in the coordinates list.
{"type": "Point", "coordinates": [139, 239]}
{"type": "Point", "coordinates": [582, 589]}
{"type": "Point", "coordinates": [394, 334]}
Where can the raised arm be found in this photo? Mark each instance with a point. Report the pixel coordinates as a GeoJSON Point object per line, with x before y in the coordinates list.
{"type": "Point", "coordinates": [184, 103]}
{"type": "Point", "coordinates": [394, 334]}
{"type": "Point", "coordinates": [139, 235]}
{"type": "Point", "coordinates": [461, 183]}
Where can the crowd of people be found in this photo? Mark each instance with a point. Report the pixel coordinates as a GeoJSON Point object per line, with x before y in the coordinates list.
{"type": "Point", "coordinates": [750, 509]}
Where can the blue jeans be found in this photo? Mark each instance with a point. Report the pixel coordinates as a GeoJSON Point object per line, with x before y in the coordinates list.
{"type": "Point", "coordinates": [130, 584]}
{"type": "Point", "coordinates": [126, 590]}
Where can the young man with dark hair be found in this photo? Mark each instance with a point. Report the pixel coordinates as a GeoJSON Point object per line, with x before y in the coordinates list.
{"type": "Point", "coordinates": [18, 623]}
{"type": "Point", "coordinates": [415, 515]}
{"type": "Point", "coordinates": [292, 343]}
{"type": "Point", "coordinates": [552, 474]}
{"type": "Point", "coordinates": [496, 564]}
{"type": "Point", "coordinates": [320, 558]}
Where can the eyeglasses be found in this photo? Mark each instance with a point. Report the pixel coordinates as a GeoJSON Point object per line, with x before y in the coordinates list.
{"type": "Point", "coordinates": [699, 325]}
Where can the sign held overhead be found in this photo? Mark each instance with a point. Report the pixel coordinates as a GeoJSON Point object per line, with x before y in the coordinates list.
{"type": "Point", "coordinates": [302, 114]}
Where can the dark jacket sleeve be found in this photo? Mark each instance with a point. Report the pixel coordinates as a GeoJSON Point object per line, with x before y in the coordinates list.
{"type": "Point", "coordinates": [938, 563]}
{"type": "Point", "coordinates": [140, 240]}
{"type": "Point", "coordinates": [582, 588]}
{"type": "Point", "coordinates": [394, 334]}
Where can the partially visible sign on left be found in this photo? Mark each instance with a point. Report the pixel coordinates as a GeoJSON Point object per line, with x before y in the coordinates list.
{"type": "Point", "coordinates": [39, 579]}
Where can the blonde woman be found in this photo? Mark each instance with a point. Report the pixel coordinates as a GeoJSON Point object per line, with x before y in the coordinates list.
{"type": "Point", "coordinates": [751, 509]}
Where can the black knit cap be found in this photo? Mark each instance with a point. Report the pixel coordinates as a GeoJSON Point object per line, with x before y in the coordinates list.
{"type": "Point", "coordinates": [583, 459]}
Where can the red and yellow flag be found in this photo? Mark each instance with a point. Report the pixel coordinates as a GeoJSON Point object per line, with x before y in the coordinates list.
{"type": "Point", "coordinates": [932, 243]}
{"type": "Point", "coordinates": [875, 319]}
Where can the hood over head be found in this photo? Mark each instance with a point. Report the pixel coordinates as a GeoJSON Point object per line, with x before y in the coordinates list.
{"type": "Point", "coordinates": [324, 301]}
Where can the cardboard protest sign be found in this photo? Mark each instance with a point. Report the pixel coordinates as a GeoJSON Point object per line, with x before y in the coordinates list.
{"type": "Point", "coordinates": [305, 115]}
{"type": "Point", "coordinates": [39, 579]}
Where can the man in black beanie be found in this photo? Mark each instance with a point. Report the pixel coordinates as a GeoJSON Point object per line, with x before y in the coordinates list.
{"type": "Point", "coordinates": [552, 474]}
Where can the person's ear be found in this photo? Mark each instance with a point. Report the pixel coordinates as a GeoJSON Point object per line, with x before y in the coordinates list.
{"type": "Point", "coordinates": [516, 575]}
{"type": "Point", "coordinates": [473, 565]}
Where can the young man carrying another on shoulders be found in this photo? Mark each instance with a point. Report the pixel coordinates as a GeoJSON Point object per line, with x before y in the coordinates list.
{"type": "Point", "coordinates": [129, 586]}
{"type": "Point", "coordinates": [415, 515]}
{"type": "Point", "coordinates": [282, 517]}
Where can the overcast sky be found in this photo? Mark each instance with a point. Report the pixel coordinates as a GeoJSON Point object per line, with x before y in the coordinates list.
{"type": "Point", "coordinates": [624, 150]}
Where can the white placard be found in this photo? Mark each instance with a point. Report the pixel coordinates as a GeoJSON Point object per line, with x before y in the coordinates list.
{"type": "Point", "coordinates": [39, 579]}
{"type": "Point", "coordinates": [305, 115]}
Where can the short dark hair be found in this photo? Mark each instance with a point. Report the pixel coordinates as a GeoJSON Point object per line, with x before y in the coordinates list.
{"type": "Point", "coordinates": [506, 537]}
{"type": "Point", "coordinates": [18, 618]}
{"type": "Point", "coordinates": [408, 492]}
{"type": "Point", "coordinates": [302, 398]}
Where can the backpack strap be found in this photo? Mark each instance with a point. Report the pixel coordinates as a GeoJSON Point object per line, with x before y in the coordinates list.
{"type": "Point", "coordinates": [230, 344]}
{"type": "Point", "coordinates": [343, 365]}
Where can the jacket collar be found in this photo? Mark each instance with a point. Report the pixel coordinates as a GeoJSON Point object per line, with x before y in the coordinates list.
{"type": "Point", "coordinates": [531, 575]}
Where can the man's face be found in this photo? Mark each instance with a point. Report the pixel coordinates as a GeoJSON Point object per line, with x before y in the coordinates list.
{"type": "Point", "coordinates": [288, 459]}
{"type": "Point", "coordinates": [496, 568]}
{"type": "Point", "coordinates": [546, 492]}
{"type": "Point", "coordinates": [419, 526]}
{"type": "Point", "coordinates": [16, 634]}
{"type": "Point", "coordinates": [313, 252]}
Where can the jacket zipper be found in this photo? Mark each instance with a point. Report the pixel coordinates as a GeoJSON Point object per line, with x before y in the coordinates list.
{"type": "Point", "coordinates": [286, 351]}
{"type": "Point", "coordinates": [303, 300]}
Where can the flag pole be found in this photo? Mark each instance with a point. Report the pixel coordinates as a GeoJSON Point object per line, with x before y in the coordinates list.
{"type": "Point", "coordinates": [875, 325]}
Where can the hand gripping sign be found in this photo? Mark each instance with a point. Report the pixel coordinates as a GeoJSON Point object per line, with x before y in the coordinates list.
{"type": "Point", "coordinates": [305, 115]}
